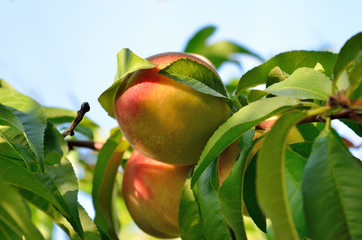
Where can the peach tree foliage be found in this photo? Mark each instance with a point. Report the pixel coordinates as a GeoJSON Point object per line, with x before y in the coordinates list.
{"type": "Point", "coordinates": [309, 189]}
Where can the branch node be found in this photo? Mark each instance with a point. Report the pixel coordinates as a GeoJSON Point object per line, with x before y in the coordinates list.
{"type": "Point", "coordinates": [80, 114]}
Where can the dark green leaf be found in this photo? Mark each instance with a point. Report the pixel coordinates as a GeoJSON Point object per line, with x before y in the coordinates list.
{"type": "Point", "coordinates": [195, 75]}
{"type": "Point", "coordinates": [250, 198]}
{"type": "Point", "coordinates": [243, 120]}
{"type": "Point", "coordinates": [347, 54]}
{"type": "Point", "coordinates": [294, 167]}
{"type": "Point", "coordinates": [54, 144]}
{"type": "Point", "coordinates": [288, 62]}
{"type": "Point", "coordinates": [303, 83]}
{"type": "Point", "coordinates": [6, 233]}
{"type": "Point", "coordinates": [271, 186]}
{"type": "Point", "coordinates": [332, 190]}
{"type": "Point", "coordinates": [357, 128]}
{"type": "Point", "coordinates": [231, 195]}
{"type": "Point", "coordinates": [128, 62]}
{"type": "Point", "coordinates": [14, 213]}
{"type": "Point", "coordinates": [214, 226]}
{"type": "Point", "coordinates": [31, 115]}
{"type": "Point", "coordinates": [190, 222]}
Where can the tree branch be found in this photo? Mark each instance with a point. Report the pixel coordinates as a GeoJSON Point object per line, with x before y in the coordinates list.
{"type": "Point", "coordinates": [87, 144]}
{"type": "Point", "coordinates": [80, 114]}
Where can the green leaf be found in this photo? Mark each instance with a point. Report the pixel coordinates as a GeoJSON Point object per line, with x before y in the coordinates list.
{"type": "Point", "coordinates": [250, 197]}
{"type": "Point", "coordinates": [214, 226]}
{"type": "Point", "coordinates": [90, 229]}
{"type": "Point", "coordinates": [107, 190]}
{"type": "Point", "coordinates": [254, 95]}
{"type": "Point", "coordinates": [347, 54]}
{"type": "Point", "coordinates": [60, 116]}
{"type": "Point", "coordinates": [6, 233]}
{"type": "Point", "coordinates": [198, 41]}
{"type": "Point", "coordinates": [231, 195]}
{"type": "Point", "coordinates": [195, 75]}
{"type": "Point", "coordinates": [288, 62]}
{"type": "Point", "coordinates": [304, 83]}
{"type": "Point", "coordinates": [332, 190]}
{"type": "Point", "coordinates": [14, 213]}
{"type": "Point", "coordinates": [103, 183]}
{"type": "Point", "coordinates": [31, 115]}
{"type": "Point", "coordinates": [219, 52]}
{"type": "Point", "coordinates": [271, 185]}
{"type": "Point", "coordinates": [128, 62]}
{"type": "Point", "coordinates": [294, 167]}
{"type": "Point", "coordinates": [4, 84]}
{"type": "Point", "coordinates": [190, 222]}
{"type": "Point", "coordinates": [243, 120]}
{"type": "Point", "coordinates": [57, 187]}
{"type": "Point", "coordinates": [357, 128]}
{"type": "Point", "coordinates": [20, 145]}
{"type": "Point", "coordinates": [54, 144]}
{"type": "Point", "coordinates": [8, 118]}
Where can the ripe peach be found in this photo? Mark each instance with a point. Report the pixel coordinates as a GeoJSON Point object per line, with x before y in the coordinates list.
{"type": "Point", "coordinates": [152, 190]}
{"type": "Point", "coordinates": [152, 193]}
{"type": "Point", "coordinates": [167, 120]}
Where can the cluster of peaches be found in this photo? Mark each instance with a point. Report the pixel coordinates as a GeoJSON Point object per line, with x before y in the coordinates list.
{"type": "Point", "coordinates": [168, 125]}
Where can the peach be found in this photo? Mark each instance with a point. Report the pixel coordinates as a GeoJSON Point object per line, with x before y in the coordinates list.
{"type": "Point", "coordinates": [167, 120]}
{"type": "Point", "coordinates": [152, 190]}
{"type": "Point", "coordinates": [152, 193]}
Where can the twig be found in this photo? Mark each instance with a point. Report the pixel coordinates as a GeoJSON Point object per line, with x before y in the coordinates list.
{"type": "Point", "coordinates": [80, 114]}
{"type": "Point", "coordinates": [87, 144]}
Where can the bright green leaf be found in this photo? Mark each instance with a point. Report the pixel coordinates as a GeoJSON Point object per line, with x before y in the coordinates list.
{"type": "Point", "coordinates": [271, 185]}
{"type": "Point", "coordinates": [4, 84]}
{"type": "Point", "coordinates": [57, 187]}
{"type": "Point", "coordinates": [14, 212]}
{"type": "Point", "coordinates": [8, 118]}
{"type": "Point", "coordinates": [288, 62]}
{"type": "Point", "coordinates": [243, 120]}
{"type": "Point", "coordinates": [332, 190]}
{"type": "Point", "coordinates": [19, 144]}
{"type": "Point", "coordinates": [109, 159]}
{"type": "Point", "coordinates": [128, 62]}
{"type": "Point", "coordinates": [198, 41]}
{"type": "Point", "coordinates": [304, 83]}
{"type": "Point", "coordinates": [219, 52]}
{"type": "Point", "coordinates": [254, 95]}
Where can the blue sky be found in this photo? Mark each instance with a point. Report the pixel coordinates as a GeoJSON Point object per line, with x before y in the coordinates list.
{"type": "Point", "coordinates": [63, 53]}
